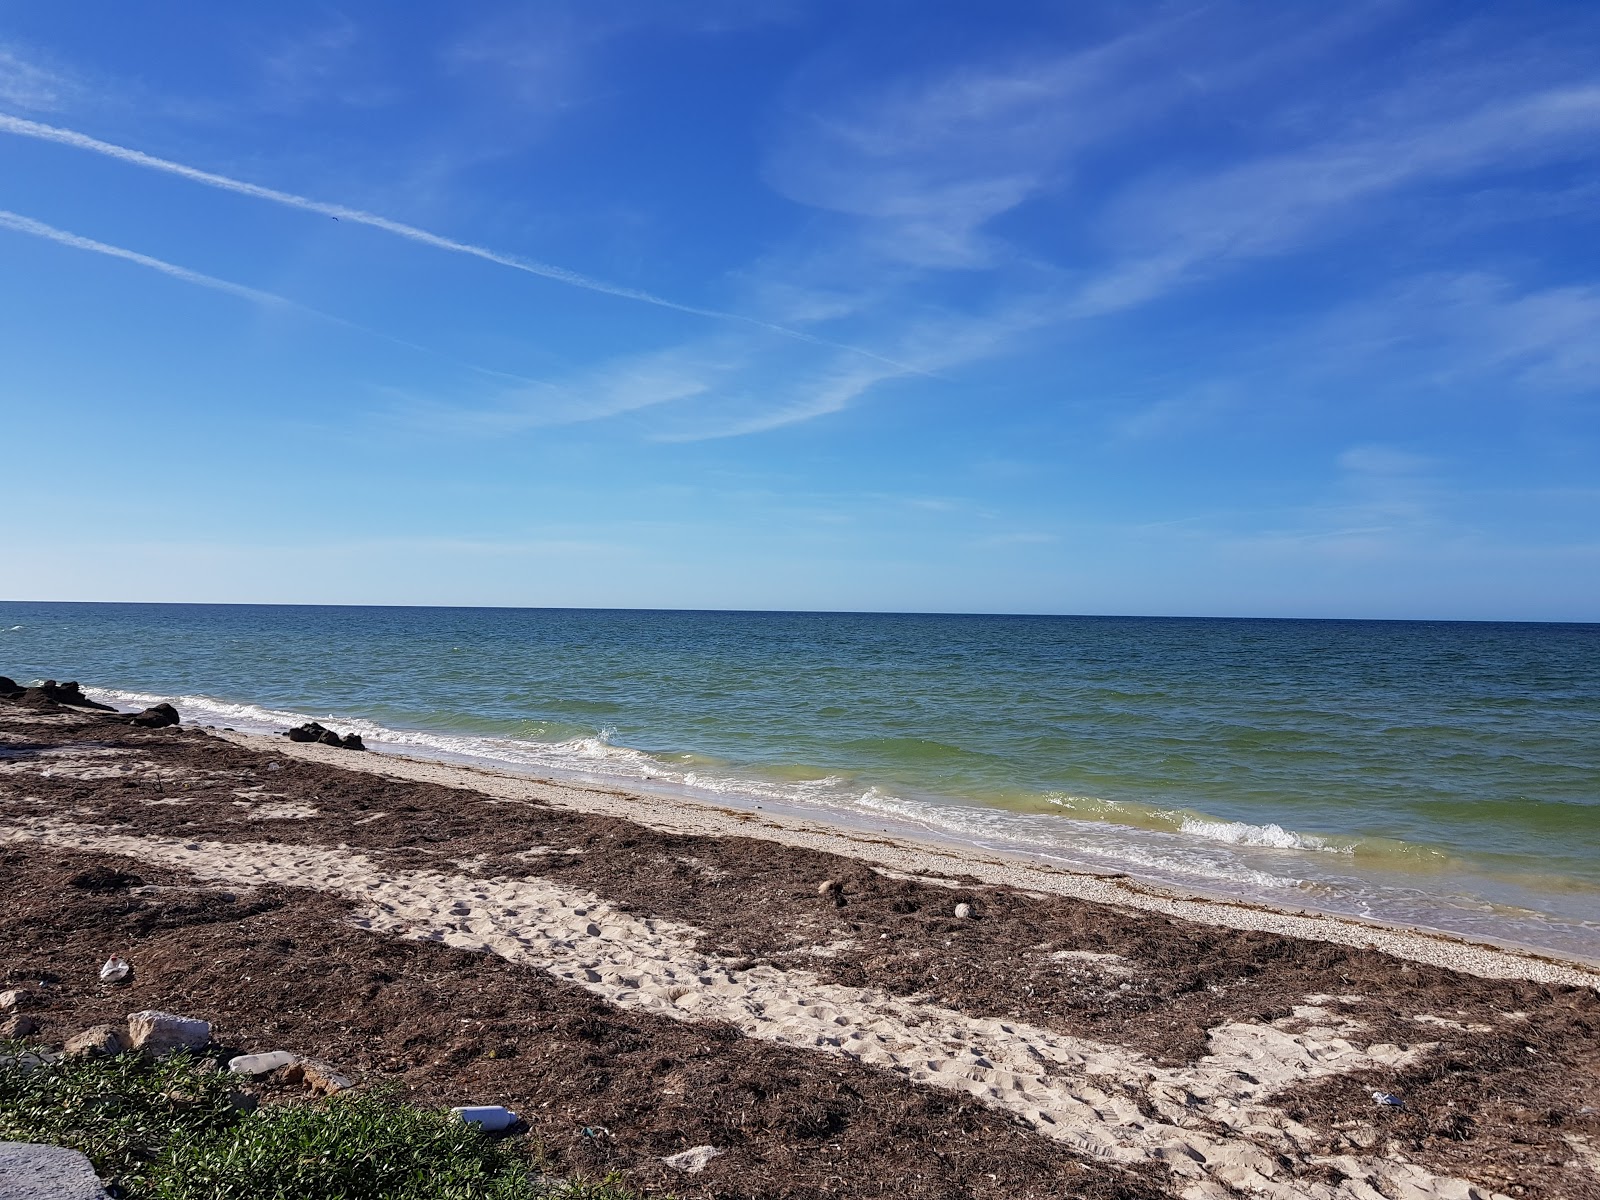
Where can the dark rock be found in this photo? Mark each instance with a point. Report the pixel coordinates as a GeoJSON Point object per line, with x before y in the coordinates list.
{"type": "Point", "coordinates": [68, 693]}
{"type": "Point", "coordinates": [157, 716]}
{"type": "Point", "coordinates": [312, 731]}
{"type": "Point", "coordinates": [9, 688]}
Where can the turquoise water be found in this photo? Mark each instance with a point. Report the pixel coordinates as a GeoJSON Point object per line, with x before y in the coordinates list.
{"type": "Point", "coordinates": [1433, 773]}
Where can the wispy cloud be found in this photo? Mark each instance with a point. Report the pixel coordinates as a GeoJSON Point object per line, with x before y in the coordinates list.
{"type": "Point", "coordinates": [82, 141]}
{"type": "Point", "coordinates": [1174, 232]}
{"type": "Point", "coordinates": [28, 84]}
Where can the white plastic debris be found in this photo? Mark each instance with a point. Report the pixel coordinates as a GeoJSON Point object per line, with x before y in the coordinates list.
{"type": "Point", "coordinates": [115, 970]}
{"type": "Point", "coordinates": [256, 1065]}
{"type": "Point", "coordinates": [692, 1161]}
{"type": "Point", "coordinates": [1388, 1099]}
{"type": "Point", "coordinates": [491, 1118]}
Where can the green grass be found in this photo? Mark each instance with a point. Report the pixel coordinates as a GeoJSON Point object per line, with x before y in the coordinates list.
{"type": "Point", "coordinates": [166, 1131]}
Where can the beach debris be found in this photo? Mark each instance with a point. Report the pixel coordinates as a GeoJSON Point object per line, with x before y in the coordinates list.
{"type": "Point", "coordinates": [312, 731]}
{"type": "Point", "coordinates": [963, 911]}
{"type": "Point", "coordinates": [257, 1065]}
{"type": "Point", "coordinates": [115, 970]}
{"type": "Point", "coordinates": [98, 1041]}
{"type": "Point", "coordinates": [323, 1079]}
{"type": "Point", "coordinates": [1388, 1100]}
{"type": "Point", "coordinates": [491, 1118]}
{"type": "Point", "coordinates": [595, 1131]}
{"type": "Point", "coordinates": [157, 716]}
{"type": "Point", "coordinates": [18, 1025]}
{"type": "Point", "coordinates": [158, 1034]}
{"type": "Point", "coordinates": [35, 1172]}
{"type": "Point", "coordinates": [693, 1160]}
{"type": "Point", "coordinates": [827, 887]}
{"type": "Point", "coordinates": [13, 998]}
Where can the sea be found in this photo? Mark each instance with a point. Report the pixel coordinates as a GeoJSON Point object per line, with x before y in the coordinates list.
{"type": "Point", "coordinates": [1443, 775]}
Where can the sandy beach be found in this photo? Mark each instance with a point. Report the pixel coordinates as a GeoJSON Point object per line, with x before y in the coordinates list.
{"type": "Point", "coordinates": [837, 1013]}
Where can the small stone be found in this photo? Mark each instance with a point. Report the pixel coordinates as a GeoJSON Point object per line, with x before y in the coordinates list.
{"type": "Point", "coordinates": [257, 1065]}
{"type": "Point", "coordinates": [18, 1025]}
{"type": "Point", "coordinates": [963, 911]}
{"type": "Point", "coordinates": [13, 999]}
{"type": "Point", "coordinates": [692, 1161]}
{"type": "Point", "coordinates": [98, 1041]}
{"type": "Point", "coordinates": [158, 1034]}
{"type": "Point", "coordinates": [323, 1079]}
{"type": "Point", "coordinates": [826, 888]}
{"type": "Point", "coordinates": [30, 1172]}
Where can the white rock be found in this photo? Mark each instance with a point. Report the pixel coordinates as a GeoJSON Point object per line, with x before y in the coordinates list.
{"type": "Point", "coordinates": [159, 1034]}
{"type": "Point", "coordinates": [256, 1065]}
{"type": "Point", "coordinates": [12, 999]}
{"type": "Point", "coordinates": [693, 1161]}
{"type": "Point", "coordinates": [963, 911]}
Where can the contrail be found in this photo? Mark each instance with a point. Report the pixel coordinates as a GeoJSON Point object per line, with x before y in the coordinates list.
{"type": "Point", "coordinates": [82, 141]}
{"type": "Point", "coordinates": [22, 224]}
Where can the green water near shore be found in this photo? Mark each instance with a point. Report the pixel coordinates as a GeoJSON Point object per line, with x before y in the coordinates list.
{"type": "Point", "coordinates": [1446, 774]}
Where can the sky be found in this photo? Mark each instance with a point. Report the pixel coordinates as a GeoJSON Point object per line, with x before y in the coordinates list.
{"type": "Point", "coordinates": [912, 305]}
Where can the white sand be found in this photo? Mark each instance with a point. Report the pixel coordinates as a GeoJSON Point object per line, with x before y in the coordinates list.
{"type": "Point", "coordinates": [1215, 1126]}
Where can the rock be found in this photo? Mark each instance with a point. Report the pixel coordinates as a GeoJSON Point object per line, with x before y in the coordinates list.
{"type": "Point", "coordinates": [323, 1079]}
{"type": "Point", "coordinates": [157, 716]}
{"type": "Point", "coordinates": [98, 1041]}
{"type": "Point", "coordinates": [257, 1065]}
{"type": "Point", "coordinates": [963, 911]}
{"type": "Point", "coordinates": [158, 1034]}
{"type": "Point", "coordinates": [827, 887]}
{"type": "Point", "coordinates": [313, 731]}
{"type": "Point", "coordinates": [28, 1059]}
{"type": "Point", "coordinates": [17, 1025]}
{"type": "Point", "coordinates": [692, 1161]}
{"type": "Point", "coordinates": [50, 694]}
{"type": "Point", "coordinates": [10, 689]}
{"type": "Point", "coordinates": [13, 999]}
{"type": "Point", "coordinates": [29, 1172]}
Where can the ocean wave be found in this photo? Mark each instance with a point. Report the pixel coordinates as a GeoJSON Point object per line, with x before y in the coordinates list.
{"type": "Point", "coordinates": [1242, 833]}
{"type": "Point", "coordinates": [1164, 844]}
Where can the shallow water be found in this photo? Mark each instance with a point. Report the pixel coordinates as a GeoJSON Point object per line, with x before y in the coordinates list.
{"type": "Point", "coordinates": [1432, 773]}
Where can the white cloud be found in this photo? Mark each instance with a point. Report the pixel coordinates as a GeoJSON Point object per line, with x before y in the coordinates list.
{"type": "Point", "coordinates": [27, 83]}
{"type": "Point", "coordinates": [1172, 232]}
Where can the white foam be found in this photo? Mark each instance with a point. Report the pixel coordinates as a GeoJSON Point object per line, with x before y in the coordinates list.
{"type": "Point", "coordinates": [1242, 833]}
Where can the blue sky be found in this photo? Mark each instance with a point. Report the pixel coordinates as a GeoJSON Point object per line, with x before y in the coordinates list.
{"type": "Point", "coordinates": [1255, 309]}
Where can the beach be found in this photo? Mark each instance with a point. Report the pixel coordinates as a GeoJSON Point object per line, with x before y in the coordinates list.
{"type": "Point", "coordinates": [836, 1011]}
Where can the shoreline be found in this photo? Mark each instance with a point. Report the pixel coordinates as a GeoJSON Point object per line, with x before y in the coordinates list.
{"type": "Point", "coordinates": [806, 999]}
{"type": "Point", "coordinates": [935, 859]}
